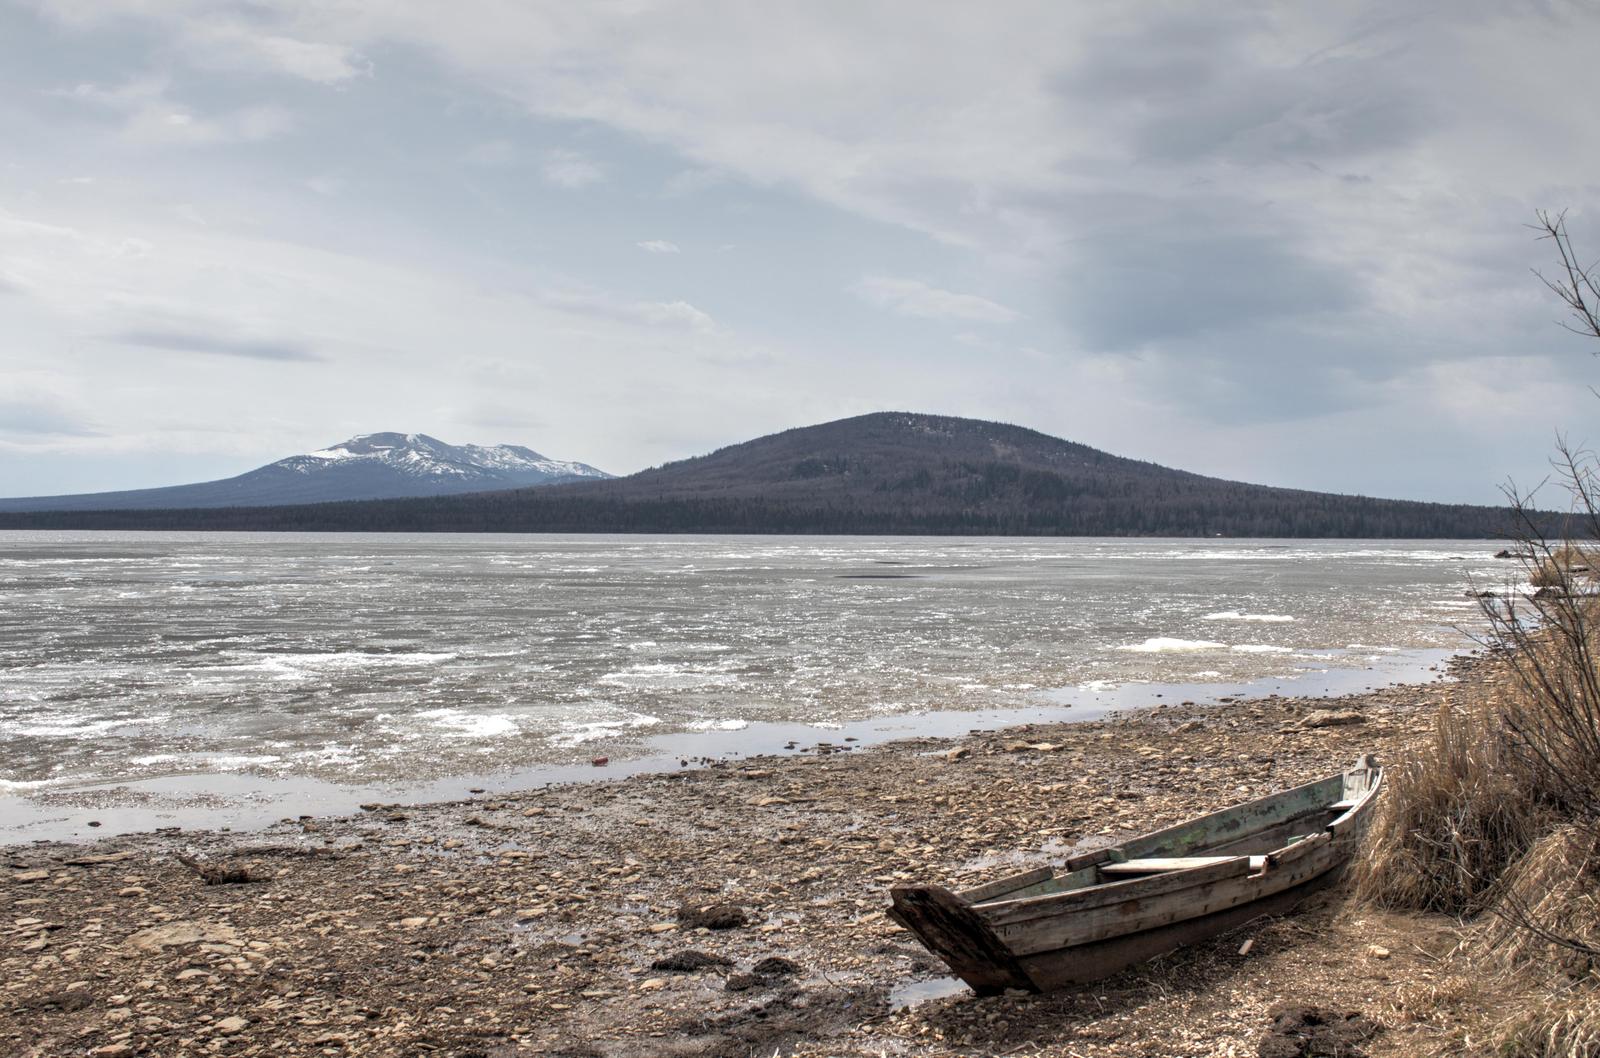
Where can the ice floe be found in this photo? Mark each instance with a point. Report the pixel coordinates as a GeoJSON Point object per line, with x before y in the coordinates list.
{"type": "Point", "coordinates": [1168, 645]}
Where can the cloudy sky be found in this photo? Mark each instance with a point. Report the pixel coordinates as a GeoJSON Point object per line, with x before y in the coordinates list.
{"type": "Point", "coordinates": [1283, 243]}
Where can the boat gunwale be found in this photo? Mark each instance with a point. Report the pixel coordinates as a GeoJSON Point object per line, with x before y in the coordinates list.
{"type": "Point", "coordinates": [979, 894]}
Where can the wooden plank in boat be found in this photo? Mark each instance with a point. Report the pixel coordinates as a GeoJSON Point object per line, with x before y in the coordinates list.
{"type": "Point", "coordinates": [1088, 859]}
{"type": "Point", "coordinates": [1134, 916]}
{"type": "Point", "coordinates": [1001, 886]}
{"type": "Point", "coordinates": [1276, 837]}
{"type": "Point", "coordinates": [1154, 864]}
{"type": "Point", "coordinates": [1301, 848]}
{"type": "Point", "coordinates": [1232, 825]}
{"type": "Point", "coordinates": [1074, 901]}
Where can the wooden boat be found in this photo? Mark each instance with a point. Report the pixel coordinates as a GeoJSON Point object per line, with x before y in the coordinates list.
{"type": "Point", "coordinates": [1113, 907]}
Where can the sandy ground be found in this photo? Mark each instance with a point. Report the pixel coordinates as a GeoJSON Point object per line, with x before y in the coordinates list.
{"type": "Point", "coordinates": [537, 923]}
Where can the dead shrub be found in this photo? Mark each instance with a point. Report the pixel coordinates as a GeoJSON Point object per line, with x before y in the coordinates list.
{"type": "Point", "coordinates": [1551, 715]}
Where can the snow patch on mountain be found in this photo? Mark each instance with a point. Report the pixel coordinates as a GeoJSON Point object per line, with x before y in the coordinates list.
{"type": "Point", "coordinates": [418, 455]}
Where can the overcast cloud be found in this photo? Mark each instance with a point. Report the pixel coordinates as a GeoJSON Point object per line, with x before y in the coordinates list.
{"type": "Point", "coordinates": [1282, 243]}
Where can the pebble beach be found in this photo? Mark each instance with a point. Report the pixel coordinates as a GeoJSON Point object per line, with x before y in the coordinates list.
{"type": "Point", "coordinates": [731, 909]}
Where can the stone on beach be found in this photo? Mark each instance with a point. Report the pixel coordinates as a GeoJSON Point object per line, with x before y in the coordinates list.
{"type": "Point", "coordinates": [181, 934]}
{"type": "Point", "coordinates": [1332, 718]}
{"type": "Point", "coordinates": [690, 961]}
{"type": "Point", "coordinates": [713, 916]}
{"type": "Point", "coordinates": [776, 966]}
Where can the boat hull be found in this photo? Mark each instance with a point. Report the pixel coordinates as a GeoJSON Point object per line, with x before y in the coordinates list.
{"type": "Point", "coordinates": [1039, 931]}
{"type": "Point", "coordinates": [1078, 965]}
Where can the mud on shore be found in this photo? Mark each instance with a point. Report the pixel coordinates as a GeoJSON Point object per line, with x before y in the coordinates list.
{"type": "Point", "coordinates": [563, 921]}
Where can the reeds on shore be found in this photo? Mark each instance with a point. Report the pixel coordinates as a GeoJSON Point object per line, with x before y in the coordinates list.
{"type": "Point", "coordinates": [1563, 564]}
{"type": "Point", "coordinates": [1453, 819]}
{"type": "Point", "coordinates": [1496, 820]}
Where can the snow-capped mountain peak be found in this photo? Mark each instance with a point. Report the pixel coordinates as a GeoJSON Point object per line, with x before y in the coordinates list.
{"type": "Point", "coordinates": [418, 455]}
{"type": "Point", "coordinates": [368, 466]}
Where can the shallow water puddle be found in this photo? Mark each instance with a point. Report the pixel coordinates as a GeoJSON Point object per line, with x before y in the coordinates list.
{"type": "Point", "coordinates": [908, 994]}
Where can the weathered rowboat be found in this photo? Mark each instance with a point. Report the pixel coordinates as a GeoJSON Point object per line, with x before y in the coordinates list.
{"type": "Point", "coordinates": [1110, 908]}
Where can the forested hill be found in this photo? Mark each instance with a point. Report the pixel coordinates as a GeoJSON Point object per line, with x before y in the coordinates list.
{"type": "Point", "coordinates": [888, 472]}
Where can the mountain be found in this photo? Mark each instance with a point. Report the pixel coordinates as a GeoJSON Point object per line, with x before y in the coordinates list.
{"type": "Point", "coordinates": [369, 467]}
{"type": "Point", "coordinates": [888, 472]}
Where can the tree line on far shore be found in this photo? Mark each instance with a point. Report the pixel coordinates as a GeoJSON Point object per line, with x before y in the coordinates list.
{"type": "Point", "coordinates": [973, 500]}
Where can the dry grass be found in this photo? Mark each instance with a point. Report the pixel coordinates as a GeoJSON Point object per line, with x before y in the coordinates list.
{"type": "Point", "coordinates": [1493, 820]}
{"type": "Point", "coordinates": [1453, 818]}
{"type": "Point", "coordinates": [1556, 883]}
{"type": "Point", "coordinates": [1563, 565]}
{"type": "Point", "coordinates": [1559, 1023]}
{"type": "Point", "coordinates": [1559, 567]}
{"type": "Point", "coordinates": [1472, 1010]}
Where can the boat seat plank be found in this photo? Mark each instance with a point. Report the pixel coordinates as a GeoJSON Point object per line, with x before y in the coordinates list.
{"type": "Point", "coordinates": [1343, 806]}
{"type": "Point", "coordinates": [1153, 864]}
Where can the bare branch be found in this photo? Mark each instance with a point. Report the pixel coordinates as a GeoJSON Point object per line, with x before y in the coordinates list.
{"type": "Point", "coordinates": [1577, 286]}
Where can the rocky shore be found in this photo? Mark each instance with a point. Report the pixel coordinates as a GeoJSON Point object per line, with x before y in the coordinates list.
{"type": "Point", "coordinates": [728, 910]}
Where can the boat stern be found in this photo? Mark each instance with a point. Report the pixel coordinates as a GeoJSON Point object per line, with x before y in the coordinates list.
{"type": "Point", "coordinates": [947, 926]}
